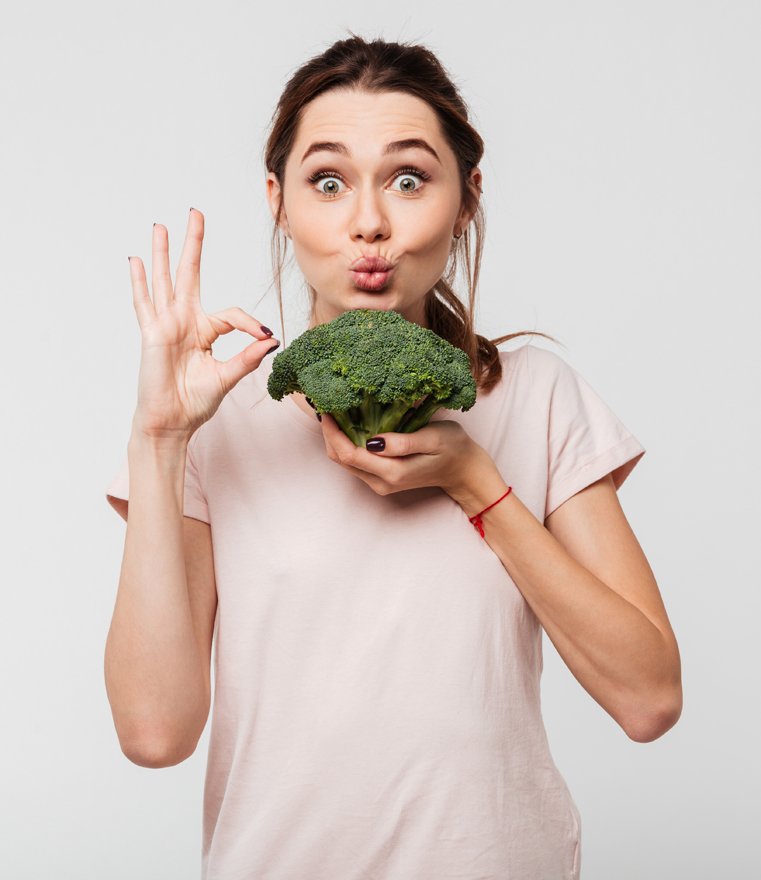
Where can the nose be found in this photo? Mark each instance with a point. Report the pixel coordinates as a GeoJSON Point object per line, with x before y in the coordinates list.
{"type": "Point", "coordinates": [369, 223]}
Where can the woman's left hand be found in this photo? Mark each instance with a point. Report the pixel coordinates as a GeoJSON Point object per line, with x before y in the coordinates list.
{"type": "Point", "coordinates": [440, 454]}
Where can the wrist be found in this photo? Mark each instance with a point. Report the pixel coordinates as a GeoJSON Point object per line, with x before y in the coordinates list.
{"type": "Point", "coordinates": [480, 485]}
{"type": "Point", "coordinates": [147, 444]}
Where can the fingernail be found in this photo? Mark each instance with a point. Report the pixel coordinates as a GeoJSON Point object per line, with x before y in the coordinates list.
{"type": "Point", "coordinates": [154, 224]}
{"type": "Point", "coordinates": [266, 330]}
{"type": "Point", "coordinates": [319, 417]}
{"type": "Point", "coordinates": [128, 259]}
{"type": "Point", "coordinates": [270, 350]}
{"type": "Point", "coordinates": [376, 444]}
{"type": "Point", "coordinates": [311, 404]}
{"type": "Point", "coordinates": [191, 209]}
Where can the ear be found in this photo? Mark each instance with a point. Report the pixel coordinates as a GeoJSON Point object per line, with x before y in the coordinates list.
{"type": "Point", "coordinates": [465, 216]}
{"type": "Point", "coordinates": [274, 200]}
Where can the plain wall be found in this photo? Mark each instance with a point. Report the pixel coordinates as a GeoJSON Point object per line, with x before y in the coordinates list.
{"type": "Point", "coordinates": [622, 187]}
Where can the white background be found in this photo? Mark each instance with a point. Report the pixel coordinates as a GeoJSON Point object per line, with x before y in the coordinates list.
{"type": "Point", "coordinates": [622, 184]}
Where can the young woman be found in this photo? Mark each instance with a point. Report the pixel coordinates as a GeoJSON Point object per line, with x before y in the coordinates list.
{"type": "Point", "coordinates": [377, 666]}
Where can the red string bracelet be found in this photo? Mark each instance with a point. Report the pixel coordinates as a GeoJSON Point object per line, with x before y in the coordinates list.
{"type": "Point", "coordinates": [476, 520]}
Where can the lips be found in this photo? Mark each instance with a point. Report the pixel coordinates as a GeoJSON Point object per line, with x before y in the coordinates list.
{"type": "Point", "coordinates": [371, 273]}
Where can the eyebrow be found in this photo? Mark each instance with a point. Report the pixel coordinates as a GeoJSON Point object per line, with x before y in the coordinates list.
{"type": "Point", "coordinates": [411, 144]}
{"type": "Point", "coordinates": [393, 147]}
{"type": "Point", "coordinates": [326, 147]}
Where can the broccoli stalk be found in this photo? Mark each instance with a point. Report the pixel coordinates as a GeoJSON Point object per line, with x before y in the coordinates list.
{"type": "Point", "coordinates": [368, 368]}
{"type": "Point", "coordinates": [362, 422]}
{"type": "Point", "coordinates": [419, 417]}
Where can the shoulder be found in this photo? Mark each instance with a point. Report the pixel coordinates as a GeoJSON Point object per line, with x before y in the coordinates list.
{"type": "Point", "coordinates": [540, 369]}
{"type": "Point", "coordinates": [531, 358]}
{"type": "Point", "coordinates": [543, 362]}
{"type": "Point", "coordinates": [546, 382]}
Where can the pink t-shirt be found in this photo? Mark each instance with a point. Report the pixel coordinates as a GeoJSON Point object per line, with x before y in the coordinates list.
{"type": "Point", "coordinates": [376, 708]}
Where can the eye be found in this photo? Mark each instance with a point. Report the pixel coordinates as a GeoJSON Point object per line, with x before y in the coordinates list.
{"type": "Point", "coordinates": [330, 186]}
{"type": "Point", "coordinates": [407, 182]}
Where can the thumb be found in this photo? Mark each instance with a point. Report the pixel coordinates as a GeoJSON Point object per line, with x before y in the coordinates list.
{"type": "Point", "coordinates": [390, 445]}
{"type": "Point", "coordinates": [246, 361]}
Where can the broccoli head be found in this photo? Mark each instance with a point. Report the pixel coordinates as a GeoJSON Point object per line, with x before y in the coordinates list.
{"type": "Point", "coordinates": [368, 368]}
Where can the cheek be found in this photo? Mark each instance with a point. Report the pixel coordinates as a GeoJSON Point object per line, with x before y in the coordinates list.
{"type": "Point", "coordinates": [430, 228]}
{"type": "Point", "coordinates": [315, 232]}
{"type": "Point", "coordinates": [301, 224]}
{"type": "Point", "coordinates": [316, 236]}
{"type": "Point", "coordinates": [427, 243]}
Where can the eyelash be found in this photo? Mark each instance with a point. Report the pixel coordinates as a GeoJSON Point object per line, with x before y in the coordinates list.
{"type": "Point", "coordinates": [408, 169]}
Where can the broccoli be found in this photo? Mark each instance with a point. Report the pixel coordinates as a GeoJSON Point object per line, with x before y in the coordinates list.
{"type": "Point", "coordinates": [368, 368]}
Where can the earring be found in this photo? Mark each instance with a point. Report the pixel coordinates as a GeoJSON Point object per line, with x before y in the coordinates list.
{"type": "Point", "coordinates": [457, 237]}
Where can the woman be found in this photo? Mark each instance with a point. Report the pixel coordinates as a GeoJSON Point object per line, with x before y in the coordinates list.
{"type": "Point", "coordinates": [376, 703]}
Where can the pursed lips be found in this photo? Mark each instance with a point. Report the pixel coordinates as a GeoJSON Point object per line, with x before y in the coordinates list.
{"type": "Point", "coordinates": [371, 273]}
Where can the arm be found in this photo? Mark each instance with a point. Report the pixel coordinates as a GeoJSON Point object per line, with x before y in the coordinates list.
{"type": "Point", "coordinates": [157, 660]}
{"type": "Point", "coordinates": [158, 651]}
{"type": "Point", "coordinates": [591, 587]}
{"type": "Point", "coordinates": [583, 574]}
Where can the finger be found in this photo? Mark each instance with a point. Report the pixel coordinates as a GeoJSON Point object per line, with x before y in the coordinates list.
{"type": "Point", "coordinates": [236, 319]}
{"type": "Point", "coordinates": [424, 441]}
{"type": "Point", "coordinates": [355, 459]}
{"type": "Point", "coordinates": [189, 268]}
{"type": "Point", "coordinates": [376, 483]}
{"type": "Point", "coordinates": [161, 278]}
{"type": "Point", "coordinates": [246, 361]}
{"type": "Point", "coordinates": [141, 298]}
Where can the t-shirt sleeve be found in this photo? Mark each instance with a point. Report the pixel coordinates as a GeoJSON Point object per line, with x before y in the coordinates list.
{"type": "Point", "coordinates": [195, 505]}
{"type": "Point", "coordinates": [586, 440]}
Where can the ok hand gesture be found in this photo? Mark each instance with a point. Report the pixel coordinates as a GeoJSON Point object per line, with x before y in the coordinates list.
{"type": "Point", "coordinates": [180, 384]}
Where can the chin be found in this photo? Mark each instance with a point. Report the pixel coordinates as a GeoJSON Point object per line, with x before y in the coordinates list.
{"type": "Point", "coordinates": [386, 299]}
{"type": "Point", "coordinates": [379, 303]}
{"type": "Point", "coordinates": [414, 312]}
{"type": "Point", "coordinates": [375, 302]}
{"type": "Point", "coordinates": [371, 299]}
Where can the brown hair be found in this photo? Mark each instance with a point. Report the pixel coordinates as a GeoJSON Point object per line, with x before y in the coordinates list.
{"type": "Point", "coordinates": [379, 66]}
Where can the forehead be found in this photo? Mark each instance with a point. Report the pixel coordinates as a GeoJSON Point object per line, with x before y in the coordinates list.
{"type": "Point", "coordinates": [367, 118]}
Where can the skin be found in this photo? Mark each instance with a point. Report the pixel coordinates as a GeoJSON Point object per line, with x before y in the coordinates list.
{"type": "Point", "coordinates": [371, 216]}
{"type": "Point", "coordinates": [582, 571]}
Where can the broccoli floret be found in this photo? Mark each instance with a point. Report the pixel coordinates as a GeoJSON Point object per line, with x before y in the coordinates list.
{"type": "Point", "coordinates": [368, 368]}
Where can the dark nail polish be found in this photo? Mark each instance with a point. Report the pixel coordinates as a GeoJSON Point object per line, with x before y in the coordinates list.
{"type": "Point", "coordinates": [128, 259]}
{"type": "Point", "coordinates": [319, 417]}
{"type": "Point", "coordinates": [266, 330]}
{"type": "Point", "coordinates": [376, 444]}
{"type": "Point", "coordinates": [154, 224]}
{"type": "Point", "coordinates": [270, 350]}
{"type": "Point", "coordinates": [191, 209]}
{"type": "Point", "coordinates": [311, 404]}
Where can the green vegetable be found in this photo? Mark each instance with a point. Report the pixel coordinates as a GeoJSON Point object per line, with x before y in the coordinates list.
{"type": "Point", "coordinates": [368, 368]}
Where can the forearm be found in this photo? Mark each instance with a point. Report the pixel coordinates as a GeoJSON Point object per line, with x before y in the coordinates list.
{"type": "Point", "coordinates": [154, 675]}
{"type": "Point", "coordinates": [627, 664]}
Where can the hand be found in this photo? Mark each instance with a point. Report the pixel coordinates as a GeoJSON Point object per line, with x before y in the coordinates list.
{"type": "Point", "coordinates": [440, 454]}
{"type": "Point", "coordinates": [181, 385]}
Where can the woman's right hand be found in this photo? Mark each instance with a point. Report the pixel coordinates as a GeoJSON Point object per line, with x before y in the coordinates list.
{"type": "Point", "coordinates": [181, 385]}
